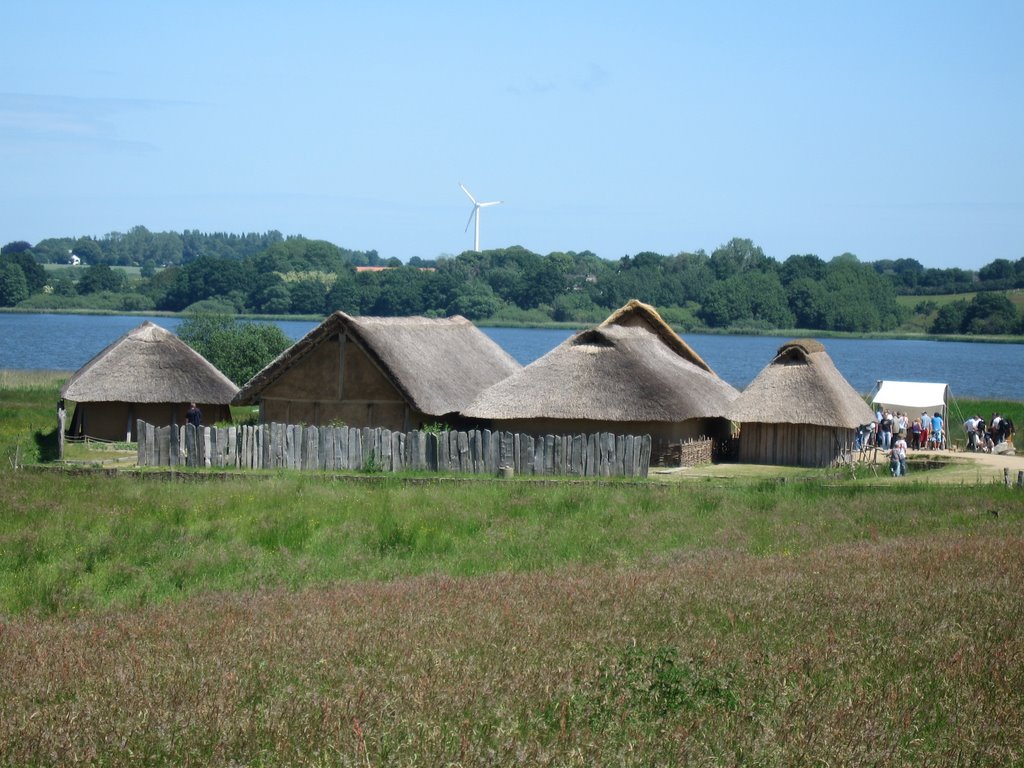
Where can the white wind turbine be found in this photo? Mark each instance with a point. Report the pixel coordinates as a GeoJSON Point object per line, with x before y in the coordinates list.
{"type": "Point", "coordinates": [476, 213]}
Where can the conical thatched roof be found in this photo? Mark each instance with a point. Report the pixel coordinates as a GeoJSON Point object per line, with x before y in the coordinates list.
{"type": "Point", "coordinates": [637, 314]}
{"type": "Point", "coordinates": [149, 364]}
{"type": "Point", "coordinates": [801, 385]}
{"type": "Point", "coordinates": [438, 364]}
{"type": "Point", "coordinates": [613, 372]}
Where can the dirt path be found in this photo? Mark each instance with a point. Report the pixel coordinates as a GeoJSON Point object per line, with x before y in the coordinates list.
{"type": "Point", "coordinates": [967, 467]}
{"type": "Point", "coordinates": [961, 468]}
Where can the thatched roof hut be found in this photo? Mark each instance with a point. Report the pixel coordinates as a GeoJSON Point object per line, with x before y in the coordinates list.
{"type": "Point", "coordinates": [636, 314]}
{"type": "Point", "coordinates": [394, 372]}
{"type": "Point", "coordinates": [632, 374]}
{"type": "Point", "coordinates": [149, 374]}
{"type": "Point", "coordinates": [800, 410]}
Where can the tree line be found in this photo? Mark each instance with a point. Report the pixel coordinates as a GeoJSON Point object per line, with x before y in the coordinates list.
{"type": "Point", "coordinates": [736, 286]}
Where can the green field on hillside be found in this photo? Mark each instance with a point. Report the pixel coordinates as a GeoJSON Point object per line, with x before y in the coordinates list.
{"type": "Point", "coordinates": [919, 323]}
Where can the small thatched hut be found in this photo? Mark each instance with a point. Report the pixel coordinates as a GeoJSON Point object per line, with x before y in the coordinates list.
{"type": "Point", "coordinates": [799, 411]}
{"type": "Point", "coordinates": [395, 372]}
{"type": "Point", "coordinates": [630, 375]}
{"type": "Point", "coordinates": [149, 374]}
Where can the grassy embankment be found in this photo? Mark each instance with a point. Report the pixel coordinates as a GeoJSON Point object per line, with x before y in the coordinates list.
{"type": "Point", "coordinates": [298, 620]}
{"type": "Point", "coordinates": [920, 323]}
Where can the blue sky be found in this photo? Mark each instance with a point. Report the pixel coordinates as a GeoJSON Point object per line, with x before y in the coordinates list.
{"type": "Point", "coordinates": [888, 130]}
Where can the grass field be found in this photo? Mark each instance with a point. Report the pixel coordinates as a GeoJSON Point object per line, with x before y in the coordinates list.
{"type": "Point", "coordinates": [921, 323]}
{"type": "Point", "coordinates": [288, 619]}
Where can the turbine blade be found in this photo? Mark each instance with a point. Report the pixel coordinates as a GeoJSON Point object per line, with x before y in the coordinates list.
{"type": "Point", "coordinates": [494, 202]}
{"type": "Point", "coordinates": [471, 215]}
{"type": "Point", "coordinates": [473, 199]}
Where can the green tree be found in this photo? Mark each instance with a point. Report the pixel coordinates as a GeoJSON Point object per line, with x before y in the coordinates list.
{"type": "Point", "coordinates": [238, 348]}
{"type": "Point", "coordinates": [798, 267]}
{"type": "Point", "coordinates": [307, 297]}
{"type": "Point", "coordinates": [344, 295]}
{"type": "Point", "coordinates": [64, 286]}
{"type": "Point", "coordinates": [400, 291]}
{"type": "Point", "coordinates": [17, 246]}
{"type": "Point", "coordinates": [754, 298]}
{"type": "Point", "coordinates": [35, 275]}
{"type": "Point", "coordinates": [999, 274]}
{"type": "Point", "coordinates": [739, 255]}
{"type": "Point", "coordinates": [950, 318]}
{"type": "Point", "coordinates": [274, 299]}
{"type": "Point", "coordinates": [859, 298]}
{"type": "Point", "coordinates": [54, 250]}
{"type": "Point", "coordinates": [809, 302]}
{"type": "Point", "coordinates": [13, 285]}
{"type": "Point", "coordinates": [205, 278]}
{"type": "Point", "coordinates": [100, 277]}
{"type": "Point", "coordinates": [89, 251]}
{"type": "Point", "coordinates": [990, 313]}
{"type": "Point", "coordinates": [475, 301]}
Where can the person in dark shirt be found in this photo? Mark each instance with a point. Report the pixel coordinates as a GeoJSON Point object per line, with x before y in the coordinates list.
{"type": "Point", "coordinates": [194, 415]}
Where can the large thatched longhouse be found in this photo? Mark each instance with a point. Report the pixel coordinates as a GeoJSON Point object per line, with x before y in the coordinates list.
{"type": "Point", "coordinates": [395, 372]}
{"type": "Point", "coordinates": [799, 411]}
{"type": "Point", "coordinates": [149, 374]}
{"type": "Point", "coordinates": [630, 375]}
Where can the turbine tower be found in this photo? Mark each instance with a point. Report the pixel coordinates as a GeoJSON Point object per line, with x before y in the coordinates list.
{"type": "Point", "coordinates": [476, 214]}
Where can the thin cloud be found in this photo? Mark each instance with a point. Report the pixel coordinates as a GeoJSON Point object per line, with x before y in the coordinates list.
{"type": "Point", "coordinates": [34, 119]}
{"type": "Point", "coordinates": [596, 77]}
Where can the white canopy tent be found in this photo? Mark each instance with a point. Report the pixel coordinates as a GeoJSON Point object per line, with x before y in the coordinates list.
{"type": "Point", "coordinates": [914, 397]}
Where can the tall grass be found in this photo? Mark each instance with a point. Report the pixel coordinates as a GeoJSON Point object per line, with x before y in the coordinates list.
{"type": "Point", "coordinates": [28, 416]}
{"type": "Point", "coordinates": [900, 652]}
{"type": "Point", "coordinates": [292, 619]}
{"type": "Point", "coordinates": [70, 543]}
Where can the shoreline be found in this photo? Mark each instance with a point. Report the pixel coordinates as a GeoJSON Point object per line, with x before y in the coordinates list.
{"type": "Point", "coordinates": [784, 333]}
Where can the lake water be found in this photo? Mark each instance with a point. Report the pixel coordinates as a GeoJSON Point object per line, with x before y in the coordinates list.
{"type": "Point", "coordinates": [66, 342]}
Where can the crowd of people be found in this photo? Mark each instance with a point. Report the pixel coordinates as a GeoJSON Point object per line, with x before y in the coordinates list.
{"type": "Point", "coordinates": [985, 437]}
{"type": "Point", "coordinates": [896, 433]}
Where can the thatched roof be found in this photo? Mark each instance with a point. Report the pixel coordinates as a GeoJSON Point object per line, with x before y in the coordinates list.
{"type": "Point", "coordinates": [801, 385]}
{"type": "Point", "coordinates": [438, 364]}
{"type": "Point", "coordinates": [610, 373]}
{"type": "Point", "coordinates": [149, 364]}
{"type": "Point", "coordinates": [637, 314]}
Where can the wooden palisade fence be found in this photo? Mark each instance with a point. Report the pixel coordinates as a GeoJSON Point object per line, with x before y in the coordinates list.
{"type": "Point", "coordinates": [295, 446]}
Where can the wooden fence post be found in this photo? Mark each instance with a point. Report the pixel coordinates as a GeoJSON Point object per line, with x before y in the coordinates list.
{"type": "Point", "coordinates": [172, 445]}
{"type": "Point", "coordinates": [140, 436]}
{"type": "Point", "coordinates": [61, 415]}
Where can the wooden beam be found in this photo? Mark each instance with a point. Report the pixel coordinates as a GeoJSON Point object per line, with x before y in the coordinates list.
{"type": "Point", "coordinates": [342, 337]}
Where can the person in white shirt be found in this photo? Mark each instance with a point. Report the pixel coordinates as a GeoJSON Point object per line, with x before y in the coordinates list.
{"type": "Point", "coordinates": [899, 457]}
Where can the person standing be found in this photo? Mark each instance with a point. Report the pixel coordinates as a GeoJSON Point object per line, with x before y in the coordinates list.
{"type": "Point", "coordinates": [937, 437]}
{"type": "Point", "coordinates": [915, 434]}
{"type": "Point", "coordinates": [194, 415]}
{"type": "Point", "coordinates": [899, 457]}
{"type": "Point", "coordinates": [971, 428]}
{"type": "Point", "coordinates": [885, 431]}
